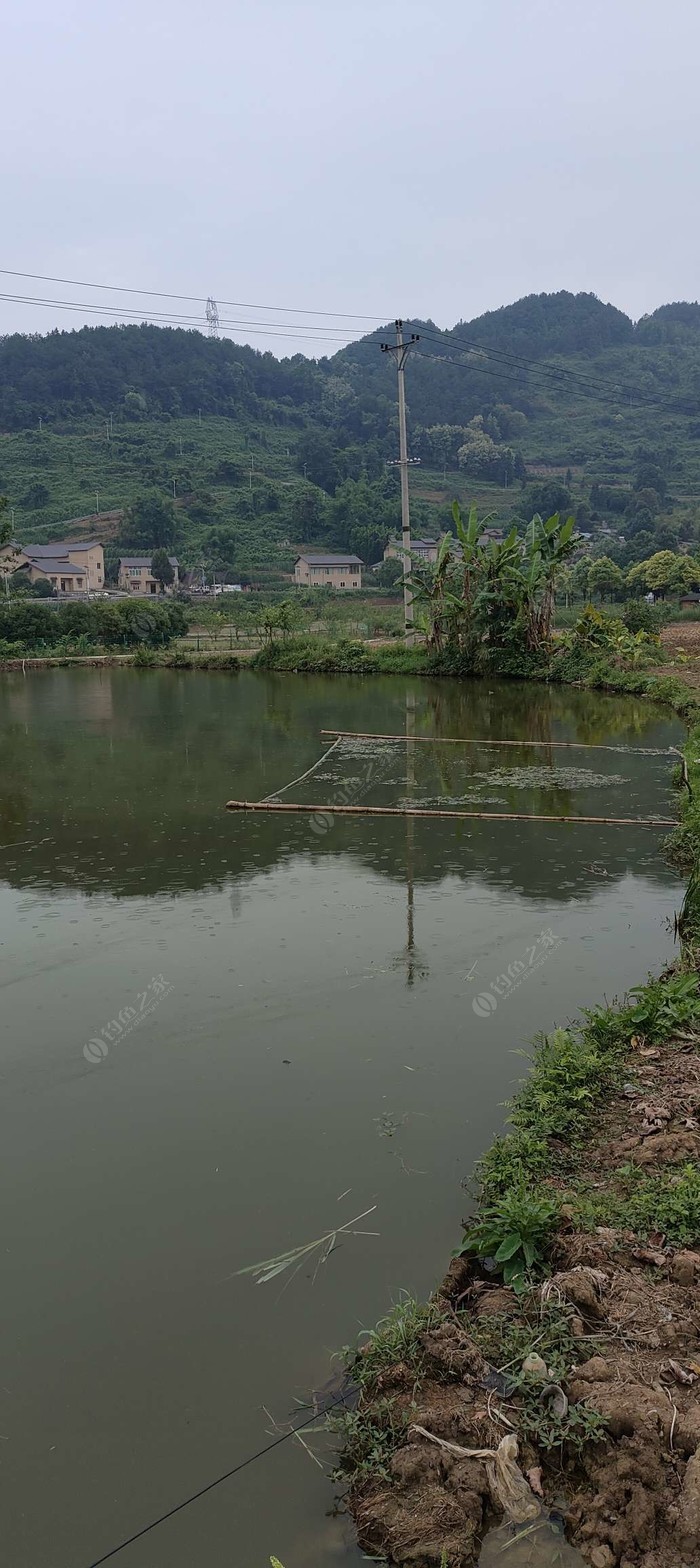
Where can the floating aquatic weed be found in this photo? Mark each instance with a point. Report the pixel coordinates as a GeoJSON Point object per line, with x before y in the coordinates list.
{"type": "Point", "coordinates": [324, 1245]}
{"type": "Point", "coordinates": [448, 802]}
{"type": "Point", "coordinates": [550, 778]}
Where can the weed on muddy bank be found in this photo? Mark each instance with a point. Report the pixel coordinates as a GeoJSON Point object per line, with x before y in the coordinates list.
{"type": "Point", "coordinates": [666, 1202]}
{"type": "Point", "coordinates": [573, 1071]}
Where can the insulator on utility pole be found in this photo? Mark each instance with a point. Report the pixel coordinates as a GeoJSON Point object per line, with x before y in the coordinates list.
{"type": "Point", "coordinates": [401, 351]}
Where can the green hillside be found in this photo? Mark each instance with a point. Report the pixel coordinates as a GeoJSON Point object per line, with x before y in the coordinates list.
{"type": "Point", "coordinates": [554, 401]}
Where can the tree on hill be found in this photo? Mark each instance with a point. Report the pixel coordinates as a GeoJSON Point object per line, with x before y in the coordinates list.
{"type": "Point", "coordinates": [8, 551]}
{"type": "Point", "coordinates": [604, 577]}
{"type": "Point", "coordinates": [545, 498]}
{"type": "Point", "coordinates": [149, 522]}
{"type": "Point", "coordinates": [162, 569]}
{"type": "Point", "coordinates": [665, 573]}
{"type": "Point", "coordinates": [5, 522]}
{"type": "Point", "coordinates": [317, 459]}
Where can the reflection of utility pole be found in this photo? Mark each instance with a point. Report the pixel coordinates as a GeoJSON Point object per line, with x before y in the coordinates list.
{"type": "Point", "coordinates": [410, 832]}
{"type": "Point", "coordinates": [401, 351]}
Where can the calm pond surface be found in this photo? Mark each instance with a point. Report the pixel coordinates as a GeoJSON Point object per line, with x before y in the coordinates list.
{"type": "Point", "coordinates": [303, 1046]}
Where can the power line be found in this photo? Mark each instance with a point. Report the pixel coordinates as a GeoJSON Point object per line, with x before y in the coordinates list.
{"type": "Point", "coordinates": [638, 400]}
{"type": "Point", "coordinates": [517, 366]}
{"type": "Point", "coordinates": [530, 367]}
{"type": "Point", "coordinates": [237, 304]}
{"type": "Point", "coordinates": [614, 393]}
{"type": "Point", "coordinates": [293, 334]}
{"type": "Point", "coordinates": [218, 1482]}
{"type": "Point", "coordinates": [517, 360]}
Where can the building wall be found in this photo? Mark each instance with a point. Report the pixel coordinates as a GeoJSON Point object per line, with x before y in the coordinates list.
{"type": "Point", "coordinates": [319, 576]}
{"type": "Point", "coordinates": [394, 551]}
{"type": "Point", "coordinates": [64, 582]}
{"type": "Point", "coordinates": [94, 562]}
{"type": "Point", "coordinates": [138, 580]}
{"type": "Point", "coordinates": [12, 556]}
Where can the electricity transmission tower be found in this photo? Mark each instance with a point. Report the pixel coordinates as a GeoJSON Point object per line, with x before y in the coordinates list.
{"type": "Point", "coordinates": [401, 351]}
{"type": "Point", "coordinates": [212, 314]}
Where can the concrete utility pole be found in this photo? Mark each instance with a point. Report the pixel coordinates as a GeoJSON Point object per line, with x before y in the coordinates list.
{"type": "Point", "coordinates": [401, 351]}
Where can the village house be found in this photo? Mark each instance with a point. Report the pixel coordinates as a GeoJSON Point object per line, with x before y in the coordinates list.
{"type": "Point", "coordinates": [339, 571]}
{"type": "Point", "coordinates": [135, 576]}
{"type": "Point", "coordinates": [62, 575]}
{"type": "Point", "coordinates": [12, 558]}
{"type": "Point", "coordinates": [426, 549]}
{"type": "Point", "coordinates": [77, 563]}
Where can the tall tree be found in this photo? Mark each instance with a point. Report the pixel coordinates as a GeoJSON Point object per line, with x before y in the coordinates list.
{"type": "Point", "coordinates": [162, 569]}
{"type": "Point", "coordinates": [150, 521]}
{"type": "Point", "coordinates": [604, 577]}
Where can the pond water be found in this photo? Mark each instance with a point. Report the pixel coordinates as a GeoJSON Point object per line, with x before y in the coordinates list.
{"type": "Point", "coordinates": [319, 1017]}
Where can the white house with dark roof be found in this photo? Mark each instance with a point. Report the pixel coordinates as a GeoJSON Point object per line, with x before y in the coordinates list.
{"type": "Point", "coordinates": [337, 571]}
{"type": "Point", "coordinates": [135, 576]}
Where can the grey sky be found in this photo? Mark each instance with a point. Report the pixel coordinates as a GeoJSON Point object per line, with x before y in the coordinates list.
{"type": "Point", "coordinates": [375, 156]}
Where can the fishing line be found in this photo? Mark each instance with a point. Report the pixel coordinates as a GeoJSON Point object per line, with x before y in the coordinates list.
{"type": "Point", "coordinates": [218, 1482]}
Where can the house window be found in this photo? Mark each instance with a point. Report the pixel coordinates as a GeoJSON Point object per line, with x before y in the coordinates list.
{"type": "Point", "coordinates": [342, 585]}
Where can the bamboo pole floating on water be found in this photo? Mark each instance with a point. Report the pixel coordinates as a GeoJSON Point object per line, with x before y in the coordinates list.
{"type": "Point", "coordinates": [423, 811]}
{"type": "Point", "coordinates": [455, 740]}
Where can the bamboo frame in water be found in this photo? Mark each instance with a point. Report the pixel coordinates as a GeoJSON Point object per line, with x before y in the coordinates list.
{"type": "Point", "coordinates": [455, 740]}
{"type": "Point", "coordinates": [423, 811]}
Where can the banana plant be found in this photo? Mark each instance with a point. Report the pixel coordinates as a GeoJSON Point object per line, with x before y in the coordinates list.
{"type": "Point", "coordinates": [499, 597]}
{"type": "Point", "coordinates": [431, 593]}
{"type": "Point", "coordinates": [468, 538]}
{"type": "Point", "coordinates": [548, 546]}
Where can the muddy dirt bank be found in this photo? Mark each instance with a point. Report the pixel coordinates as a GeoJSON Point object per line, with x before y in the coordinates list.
{"type": "Point", "coordinates": [617, 1329]}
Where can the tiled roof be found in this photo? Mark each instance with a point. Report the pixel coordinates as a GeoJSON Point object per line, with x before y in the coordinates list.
{"type": "Point", "coordinates": [59, 547]}
{"type": "Point", "coordinates": [60, 567]}
{"type": "Point", "coordinates": [330, 560]}
{"type": "Point", "coordinates": [143, 560]}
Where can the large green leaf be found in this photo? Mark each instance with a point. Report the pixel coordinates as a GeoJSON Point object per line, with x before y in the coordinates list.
{"type": "Point", "coordinates": [509, 1247]}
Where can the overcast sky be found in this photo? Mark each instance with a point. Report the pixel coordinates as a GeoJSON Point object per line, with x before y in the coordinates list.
{"type": "Point", "coordinates": [424, 157]}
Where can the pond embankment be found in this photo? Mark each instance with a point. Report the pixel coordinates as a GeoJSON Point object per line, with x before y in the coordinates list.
{"type": "Point", "coordinates": [570, 1316]}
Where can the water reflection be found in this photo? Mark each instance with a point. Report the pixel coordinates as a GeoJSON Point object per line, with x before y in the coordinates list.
{"type": "Point", "coordinates": [115, 780]}
{"type": "Point", "coordinates": [316, 1050]}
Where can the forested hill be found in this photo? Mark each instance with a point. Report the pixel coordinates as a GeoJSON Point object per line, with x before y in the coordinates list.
{"type": "Point", "coordinates": [176, 371]}
{"type": "Point", "coordinates": [559, 388]}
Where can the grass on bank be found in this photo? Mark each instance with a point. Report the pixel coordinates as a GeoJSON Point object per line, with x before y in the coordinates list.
{"type": "Point", "coordinates": [573, 1072]}
{"type": "Point", "coordinates": [666, 1201]}
{"type": "Point", "coordinates": [371, 1434]}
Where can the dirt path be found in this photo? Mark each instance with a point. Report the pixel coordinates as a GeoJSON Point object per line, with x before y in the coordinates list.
{"type": "Point", "coordinates": [681, 644]}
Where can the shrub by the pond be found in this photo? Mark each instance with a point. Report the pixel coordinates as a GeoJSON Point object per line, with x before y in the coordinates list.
{"type": "Point", "coordinates": [124, 623]}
